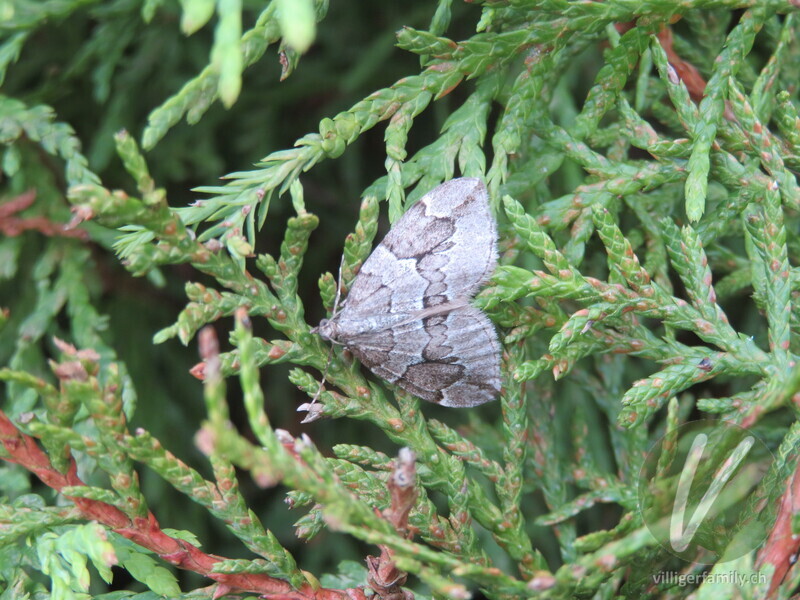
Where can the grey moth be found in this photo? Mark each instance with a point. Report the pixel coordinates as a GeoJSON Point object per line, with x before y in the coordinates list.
{"type": "Point", "coordinates": [408, 316]}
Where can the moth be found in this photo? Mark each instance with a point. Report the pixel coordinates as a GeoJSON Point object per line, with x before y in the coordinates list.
{"type": "Point", "coordinates": [408, 316]}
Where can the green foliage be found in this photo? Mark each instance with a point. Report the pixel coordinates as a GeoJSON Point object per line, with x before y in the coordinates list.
{"type": "Point", "coordinates": [641, 159]}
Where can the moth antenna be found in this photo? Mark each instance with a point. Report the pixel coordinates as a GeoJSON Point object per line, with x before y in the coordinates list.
{"type": "Point", "coordinates": [338, 288]}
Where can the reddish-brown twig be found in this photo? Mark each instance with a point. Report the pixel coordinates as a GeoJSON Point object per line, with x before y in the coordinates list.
{"type": "Point", "coordinates": [782, 546]}
{"type": "Point", "coordinates": [688, 73]}
{"type": "Point", "coordinates": [384, 576]}
{"type": "Point", "coordinates": [11, 225]}
{"type": "Point", "coordinates": [22, 449]}
{"type": "Point", "coordinates": [691, 77]}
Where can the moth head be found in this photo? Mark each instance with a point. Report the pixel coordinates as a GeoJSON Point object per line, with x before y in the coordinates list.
{"type": "Point", "coordinates": [326, 329]}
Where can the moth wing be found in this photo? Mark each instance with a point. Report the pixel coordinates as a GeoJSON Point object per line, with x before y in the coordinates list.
{"type": "Point", "coordinates": [452, 359]}
{"type": "Point", "coordinates": [442, 249]}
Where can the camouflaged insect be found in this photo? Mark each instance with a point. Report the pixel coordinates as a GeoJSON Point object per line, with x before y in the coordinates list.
{"type": "Point", "coordinates": [408, 315]}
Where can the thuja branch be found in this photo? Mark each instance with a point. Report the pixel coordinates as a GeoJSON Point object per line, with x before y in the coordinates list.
{"type": "Point", "coordinates": [279, 303]}
{"type": "Point", "coordinates": [23, 450]}
{"type": "Point", "coordinates": [300, 466]}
